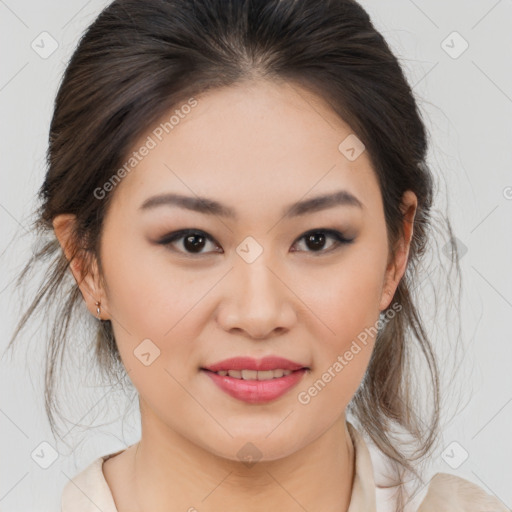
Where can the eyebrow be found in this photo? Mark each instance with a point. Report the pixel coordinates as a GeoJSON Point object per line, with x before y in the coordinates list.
{"type": "Point", "coordinates": [211, 207]}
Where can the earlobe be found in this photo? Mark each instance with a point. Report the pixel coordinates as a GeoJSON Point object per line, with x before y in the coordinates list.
{"type": "Point", "coordinates": [385, 298]}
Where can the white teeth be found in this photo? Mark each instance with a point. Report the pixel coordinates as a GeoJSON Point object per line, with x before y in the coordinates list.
{"type": "Point", "coordinates": [255, 375]}
{"type": "Point", "coordinates": [249, 374]}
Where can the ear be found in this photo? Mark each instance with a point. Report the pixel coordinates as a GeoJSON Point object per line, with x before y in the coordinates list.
{"type": "Point", "coordinates": [397, 267]}
{"type": "Point", "coordinates": [86, 278]}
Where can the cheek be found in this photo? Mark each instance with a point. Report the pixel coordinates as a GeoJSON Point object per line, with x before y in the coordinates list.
{"type": "Point", "coordinates": [149, 302]}
{"type": "Point", "coordinates": [348, 307]}
{"type": "Point", "coordinates": [131, 285]}
{"type": "Point", "coordinates": [349, 297]}
{"type": "Point", "coordinates": [150, 299]}
{"type": "Point", "coordinates": [146, 294]}
{"type": "Point", "coordinates": [344, 340]}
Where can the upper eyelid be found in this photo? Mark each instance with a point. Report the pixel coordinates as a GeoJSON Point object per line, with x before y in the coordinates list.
{"type": "Point", "coordinates": [183, 232]}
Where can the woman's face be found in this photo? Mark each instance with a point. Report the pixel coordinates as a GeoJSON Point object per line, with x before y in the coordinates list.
{"type": "Point", "coordinates": [249, 283]}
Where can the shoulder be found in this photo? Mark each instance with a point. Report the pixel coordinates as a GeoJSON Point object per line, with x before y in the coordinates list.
{"type": "Point", "coordinates": [451, 493]}
{"type": "Point", "coordinates": [445, 492]}
{"type": "Point", "coordinates": [88, 491]}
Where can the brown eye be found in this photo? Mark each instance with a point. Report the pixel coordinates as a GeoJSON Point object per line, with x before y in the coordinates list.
{"type": "Point", "coordinates": [316, 240]}
{"type": "Point", "coordinates": [193, 241]}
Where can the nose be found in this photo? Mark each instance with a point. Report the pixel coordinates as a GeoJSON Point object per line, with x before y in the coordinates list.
{"type": "Point", "coordinates": [257, 300]}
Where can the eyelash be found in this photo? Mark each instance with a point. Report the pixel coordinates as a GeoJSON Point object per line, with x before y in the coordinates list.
{"type": "Point", "coordinates": [338, 237]}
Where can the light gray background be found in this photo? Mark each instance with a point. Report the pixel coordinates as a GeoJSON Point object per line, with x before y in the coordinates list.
{"type": "Point", "coordinates": [468, 106]}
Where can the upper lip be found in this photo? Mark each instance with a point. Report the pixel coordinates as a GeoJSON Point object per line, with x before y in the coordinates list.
{"type": "Point", "coordinates": [249, 363]}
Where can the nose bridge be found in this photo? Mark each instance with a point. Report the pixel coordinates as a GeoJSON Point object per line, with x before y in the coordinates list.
{"type": "Point", "coordinates": [256, 267]}
{"type": "Point", "coordinates": [259, 301]}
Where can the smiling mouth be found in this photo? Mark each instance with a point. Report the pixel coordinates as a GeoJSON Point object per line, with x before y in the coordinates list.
{"type": "Point", "coordinates": [256, 386]}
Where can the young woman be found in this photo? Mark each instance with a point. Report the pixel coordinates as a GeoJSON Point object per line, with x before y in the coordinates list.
{"type": "Point", "coordinates": [239, 189]}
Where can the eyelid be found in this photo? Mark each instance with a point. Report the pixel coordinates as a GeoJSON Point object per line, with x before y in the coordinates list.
{"type": "Point", "coordinates": [335, 233]}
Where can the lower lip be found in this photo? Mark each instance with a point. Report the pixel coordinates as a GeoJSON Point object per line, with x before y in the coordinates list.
{"type": "Point", "coordinates": [256, 391]}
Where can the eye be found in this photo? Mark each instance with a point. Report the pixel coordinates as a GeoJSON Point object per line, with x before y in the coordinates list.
{"type": "Point", "coordinates": [316, 239]}
{"type": "Point", "coordinates": [193, 240]}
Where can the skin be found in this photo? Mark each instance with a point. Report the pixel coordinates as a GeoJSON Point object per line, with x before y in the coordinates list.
{"type": "Point", "coordinates": [257, 142]}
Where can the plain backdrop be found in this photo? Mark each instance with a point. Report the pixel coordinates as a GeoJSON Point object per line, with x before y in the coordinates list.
{"type": "Point", "coordinates": [458, 58]}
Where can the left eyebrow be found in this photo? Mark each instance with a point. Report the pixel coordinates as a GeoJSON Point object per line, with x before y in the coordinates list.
{"type": "Point", "coordinates": [315, 204]}
{"type": "Point", "coordinates": [211, 207]}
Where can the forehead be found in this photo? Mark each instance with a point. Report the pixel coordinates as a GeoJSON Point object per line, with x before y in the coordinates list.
{"type": "Point", "coordinates": [253, 143]}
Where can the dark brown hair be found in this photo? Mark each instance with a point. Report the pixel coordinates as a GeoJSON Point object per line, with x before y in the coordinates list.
{"type": "Point", "coordinates": [140, 59]}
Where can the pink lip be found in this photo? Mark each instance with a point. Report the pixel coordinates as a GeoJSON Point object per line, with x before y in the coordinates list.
{"type": "Point", "coordinates": [248, 363]}
{"type": "Point", "coordinates": [256, 391]}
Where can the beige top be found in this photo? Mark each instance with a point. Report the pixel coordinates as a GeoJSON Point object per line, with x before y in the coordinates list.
{"type": "Point", "coordinates": [88, 491]}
